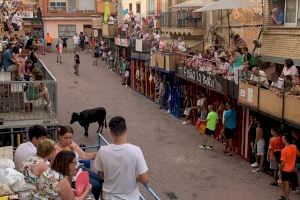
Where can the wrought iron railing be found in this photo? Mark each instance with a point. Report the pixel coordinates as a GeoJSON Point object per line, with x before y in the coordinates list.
{"type": "Point", "coordinates": [181, 19]}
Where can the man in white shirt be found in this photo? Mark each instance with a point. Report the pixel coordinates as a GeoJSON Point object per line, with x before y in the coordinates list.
{"type": "Point", "coordinates": [17, 21]}
{"type": "Point", "coordinates": [76, 40]}
{"type": "Point", "coordinates": [259, 76]}
{"type": "Point", "coordinates": [122, 165]}
{"type": "Point", "coordinates": [37, 133]}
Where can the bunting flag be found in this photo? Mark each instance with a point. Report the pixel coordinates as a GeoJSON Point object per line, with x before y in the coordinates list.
{"type": "Point", "coordinates": [106, 12]}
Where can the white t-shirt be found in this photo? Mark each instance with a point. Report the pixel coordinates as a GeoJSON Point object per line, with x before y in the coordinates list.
{"type": "Point", "coordinates": [76, 39]}
{"type": "Point", "coordinates": [15, 19]}
{"type": "Point", "coordinates": [24, 151]}
{"type": "Point", "coordinates": [293, 71]}
{"type": "Point", "coordinates": [121, 165]}
{"type": "Point", "coordinates": [278, 84]}
{"type": "Point", "coordinates": [261, 78]}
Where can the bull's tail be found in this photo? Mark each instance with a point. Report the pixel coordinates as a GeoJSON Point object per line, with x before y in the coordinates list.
{"type": "Point", "coordinates": [105, 122]}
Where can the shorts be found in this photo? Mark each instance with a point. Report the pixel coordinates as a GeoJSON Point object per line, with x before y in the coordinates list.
{"type": "Point", "coordinates": [297, 168]}
{"type": "Point", "coordinates": [229, 133]}
{"type": "Point", "coordinates": [209, 132]}
{"type": "Point", "coordinates": [287, 176]}
{"type": "Point", "coordinates": [273, 164]}
{"type": "Point", "coordinates": [187, 111]}
{"type": "Point", "coordinates": [64, 45]}
{"type": "Point", "coordinates": [48, 44]}
{"type": "Point", "coordinates": [260, 148]}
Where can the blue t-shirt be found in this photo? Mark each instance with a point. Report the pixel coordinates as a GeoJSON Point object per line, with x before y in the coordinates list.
{"type": "Point", "coordinates": [6, 59]}
{"type": "Point", "coordinates": [230, 118]}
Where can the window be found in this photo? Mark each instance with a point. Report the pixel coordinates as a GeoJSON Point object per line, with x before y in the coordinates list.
{"type": "Point", "coordinates": [291, 10]}
{"type": "Point", "coordinates": [68, 30]}
{"type": "Point", "coordinates": [130, 7]}
{"type": "Point", "coordinates": [57, 5]}
{"type": "Point", "coordinates": [138, 8]}
{"type": "Point", "coordinates": [87, 5]}
{"type": "Point", "coordinates": [288, 11]}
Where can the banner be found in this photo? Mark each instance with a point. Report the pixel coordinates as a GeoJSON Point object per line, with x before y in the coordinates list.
{"type": "Point", "coordinates": [210, 81]}
{"type": "Point", "coordinates": [122, 42]}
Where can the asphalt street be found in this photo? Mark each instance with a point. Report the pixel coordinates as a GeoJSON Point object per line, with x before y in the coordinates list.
{"type": "Point", "coordinates": [176, 164]}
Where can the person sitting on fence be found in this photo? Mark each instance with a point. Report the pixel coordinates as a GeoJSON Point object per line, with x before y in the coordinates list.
{"type": "Point", "coordinates": [66, 143]}
{"type": "Point", "coordinates": [38, 89]}
{"type": "Point", "coordinates": [54, 183]}
{"type": "Point", "coordinates": [36, 134]}
{"type": "Point", "coordinates": [10, 61]}
{"type": "Point", "coordinates": [35, 165]}
{"type": "Point", "coordinates": [27, 70]}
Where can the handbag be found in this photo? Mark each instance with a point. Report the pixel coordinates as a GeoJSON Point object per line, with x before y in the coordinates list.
{"type": "Point", "coordinates": [81, 183]}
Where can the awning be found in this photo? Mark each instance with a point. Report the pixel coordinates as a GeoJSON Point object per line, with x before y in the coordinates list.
{"type": "Point", "coordinates": [193, 3]}
{"type": "Point", "coordinates": [229, 4]}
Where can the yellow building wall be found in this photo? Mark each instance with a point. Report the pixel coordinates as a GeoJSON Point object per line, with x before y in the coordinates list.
{"type": "Point", "coordinates": [279, 41]}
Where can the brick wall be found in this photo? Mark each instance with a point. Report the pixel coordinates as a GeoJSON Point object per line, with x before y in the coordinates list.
{"type": "Point", "coordinates": [281, 42]}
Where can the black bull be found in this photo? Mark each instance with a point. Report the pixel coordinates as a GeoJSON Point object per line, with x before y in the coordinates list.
{"type": "Point", "coordinates": [90, 116]}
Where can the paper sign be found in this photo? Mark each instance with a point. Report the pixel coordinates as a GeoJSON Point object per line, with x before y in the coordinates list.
{"type": "Point", "coordinates": [250, 95]}
{"type": "Point", "coordinates": [242, 93]}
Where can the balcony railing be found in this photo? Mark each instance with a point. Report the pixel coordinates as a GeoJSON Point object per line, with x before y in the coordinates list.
{"type": "Point", "coordinates": [68, 10]}
{"type": "Point", "coordinates": [181, 19]}
{"type": "Point", "coordinates": [152, 12]}
{"type": "Point", "coordinates": [272, 100]}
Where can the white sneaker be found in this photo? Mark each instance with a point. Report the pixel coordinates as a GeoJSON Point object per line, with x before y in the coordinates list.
{"type": "Point", "coordinates": [256, 170]}
{"type": "Point", "coordinates": [168, 111]}
{"type": "Point", "coordinates": [184, 123]}
{"type": "Point", "coordinates": [254, 165]}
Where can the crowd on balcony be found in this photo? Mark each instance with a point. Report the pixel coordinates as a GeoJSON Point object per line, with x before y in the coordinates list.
{"type": "Point", "coordinates": [45, 169]}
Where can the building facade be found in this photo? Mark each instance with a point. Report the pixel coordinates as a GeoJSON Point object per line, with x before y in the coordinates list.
{"type": "Point", "coordinates": [68, 16]}
{"type": "Point", "coordinates": [281, 41]}
{"type": "Point", "coordinates": [136, 6]}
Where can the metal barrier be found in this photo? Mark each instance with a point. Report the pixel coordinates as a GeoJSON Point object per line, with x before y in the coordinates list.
{"type": "Point", "coordinates": [102, 142]}
{"type": "Point", "coordinates": [28, 100]}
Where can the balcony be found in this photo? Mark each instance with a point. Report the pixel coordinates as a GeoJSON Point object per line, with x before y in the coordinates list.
{"type": "Point", "coordinates": [279, 103]}
{"type": "Point", "coordinates": [152, 13]}
{"type": "Point", "coordinates": [182, 22]}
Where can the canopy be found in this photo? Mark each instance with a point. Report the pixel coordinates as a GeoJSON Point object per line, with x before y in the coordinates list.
{"type": "Point", "coordinates": [228, 5]}
{"type": "Point", "coordinates": [193, 3]}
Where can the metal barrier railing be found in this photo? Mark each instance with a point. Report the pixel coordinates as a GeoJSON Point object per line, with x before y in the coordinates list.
{"type": "Point", "coordinates": [102, 142]}
{"type": "Point", "coordinates": [28, 100]}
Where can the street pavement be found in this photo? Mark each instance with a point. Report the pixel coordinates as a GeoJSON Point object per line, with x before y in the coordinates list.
{"type": "Point", "coordinates": [176, 164]}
